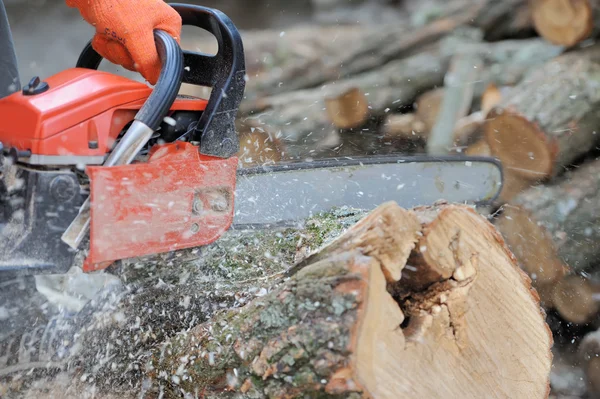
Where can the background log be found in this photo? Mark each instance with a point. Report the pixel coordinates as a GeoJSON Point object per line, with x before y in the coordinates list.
{"type": "Point", "coordinates": [566, 22]}
{"type": "Point", "coordinates": [549, 119]}
{"type": "Point", "coordinates": [552, 228]}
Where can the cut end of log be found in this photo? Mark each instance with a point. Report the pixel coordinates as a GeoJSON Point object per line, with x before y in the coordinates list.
{"type": "Point", "coordinates": [563, 22]}
{"type": "Point", "coordinates": [518, 143]}
{"type": "Point", "coordinates": [531, 245]}
{"type": "Point", "coordinates": [349, 110]}
{"type": "Point", "coordinates": [574, 297]}
{"type": "Point", "coordinates": [445, 318]}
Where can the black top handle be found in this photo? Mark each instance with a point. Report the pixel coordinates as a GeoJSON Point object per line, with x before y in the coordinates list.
{"type": "Point", "coordinates": [224, 72]}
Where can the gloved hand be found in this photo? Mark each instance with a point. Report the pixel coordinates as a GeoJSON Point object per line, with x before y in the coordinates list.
{"type": "Point", "coordinates": [124, 31]}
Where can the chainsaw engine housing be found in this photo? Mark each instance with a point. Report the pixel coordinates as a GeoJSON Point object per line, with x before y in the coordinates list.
{"type": "Point", "coordinates": [56, 134]}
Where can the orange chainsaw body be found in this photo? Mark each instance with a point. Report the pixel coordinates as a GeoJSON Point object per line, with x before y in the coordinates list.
{"type": "Point", "coordinates": [80, 106]}
{"type": "Point", "coordinates": [177, 199]}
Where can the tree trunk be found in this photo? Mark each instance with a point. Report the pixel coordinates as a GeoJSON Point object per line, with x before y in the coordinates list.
{"type": "Point", "coordinates": [333, 329]}
{"type": "Point", "coordinates": [550, 118]}
{"type": "Point", "coordinates": [566, 22]}
{"type": "Point", "coordinates": [554, 228]}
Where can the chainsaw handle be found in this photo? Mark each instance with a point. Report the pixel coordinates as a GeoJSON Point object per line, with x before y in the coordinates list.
{"type": "Point", "coordinates": [224, 72]}
{"type": "Point", "coordinates": [169, 81]}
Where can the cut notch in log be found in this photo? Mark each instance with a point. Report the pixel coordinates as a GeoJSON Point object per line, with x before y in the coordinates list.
{"type": "Point", "coordinates": [334, 330]}
{"type": "Point", "coordinates": [565, 22]}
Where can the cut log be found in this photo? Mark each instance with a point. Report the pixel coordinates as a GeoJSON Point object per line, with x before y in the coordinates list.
{"type": "Point", "coordinates": [566, 22]}
{"type": "Point", "coordinates": [348, 110]}
{"type": "Point", "coordinates": [553, 228]}
{"type": "Point", "coordinates": [302, 118]}
{"type": "Point", "coordinates": [333, 329]}
{"type": "Point", "coordinates": [550, 119]}
{"type": "Point", "coordinates": [576, 298]}
{"type": "Point", "coordinates": [394, 303]}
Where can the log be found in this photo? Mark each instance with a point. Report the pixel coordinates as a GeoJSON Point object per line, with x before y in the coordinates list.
{"type": "Point", "coordinates": [566, 22]}
{"type": "Point", "coordinates": [391, 303]}
{"type": "Point", "coordinates": [551, 228]}
{"type": "Point", "coordinates": [550, 119]}
{"type": "Point", "coordinates": [349, 110]}
{"type": "Point", "coordinates": [576, 298]}
{"type": "Point", "coordinates": [302, 118]}
{"type": "Point", "coordinates": [333, 329]}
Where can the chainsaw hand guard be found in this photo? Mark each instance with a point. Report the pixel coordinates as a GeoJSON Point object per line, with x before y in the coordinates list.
{"type": "Point", "coordinates": [224, 72]}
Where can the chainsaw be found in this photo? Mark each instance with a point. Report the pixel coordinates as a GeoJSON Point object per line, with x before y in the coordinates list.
{"type": "Point", "coordinates": [99, 164]}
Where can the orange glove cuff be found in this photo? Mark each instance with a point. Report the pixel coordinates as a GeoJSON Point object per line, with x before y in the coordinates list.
{"type": "Point", "coordinates": [124, 31]}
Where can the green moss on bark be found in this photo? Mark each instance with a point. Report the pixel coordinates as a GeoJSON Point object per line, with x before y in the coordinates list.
{"type": "Point", "coordinates": [286, 344]}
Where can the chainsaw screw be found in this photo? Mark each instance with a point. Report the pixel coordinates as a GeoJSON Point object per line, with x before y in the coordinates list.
{"type": "Point", "coordinates": [195, 228]}
{"type": "Point", "coordinates": [219, 204]}
{"type": "Point", "coordinates": [197, 206]}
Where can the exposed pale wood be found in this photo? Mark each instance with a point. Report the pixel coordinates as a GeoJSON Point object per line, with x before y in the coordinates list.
{"type": "Point", "coordinates": [492, 96]}
{"type": "Point", "coordinates": [348, 110]}
{"type": "Point", "coordinates": [566, 22]}
{"type": "Point", "coordinates": [576, 298]}
{"type": "Point", "coordinates": [405, 126]}
{"type": "Point", "coordinates": [549, 119]}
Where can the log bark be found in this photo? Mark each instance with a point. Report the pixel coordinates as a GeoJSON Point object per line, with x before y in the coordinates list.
{"type": "Point", "coordinates": [552, 228]}
{"type": "Point", "coordinates": [566, 22]}
{"type": "Point", "coordinates": [301, 117]}
{"type": "Point", "coordinates": [550, 119]}
{"type": "Point", "coordinates": [333, 329]}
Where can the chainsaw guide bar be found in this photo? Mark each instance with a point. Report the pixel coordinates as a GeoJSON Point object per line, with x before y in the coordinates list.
{"type": "Point", "coordinates": [285, 193]}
